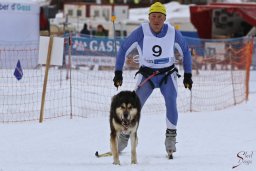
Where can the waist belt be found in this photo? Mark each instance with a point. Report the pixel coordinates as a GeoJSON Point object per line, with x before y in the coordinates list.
{"type": "Point", "coordinates": [149, 73]}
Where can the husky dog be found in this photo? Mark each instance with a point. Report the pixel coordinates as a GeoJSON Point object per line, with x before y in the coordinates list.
{"type": "Point", "coordinates": [124, 117]}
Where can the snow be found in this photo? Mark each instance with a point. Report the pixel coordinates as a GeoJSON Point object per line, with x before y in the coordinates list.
{"type": "Point", "coordinates": [206, 141]}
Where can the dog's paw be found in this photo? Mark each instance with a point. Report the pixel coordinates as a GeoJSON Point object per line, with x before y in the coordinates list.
{"type": "Point", "coordinates": [116, 162]}
{"type": "Point", "coordinates": [134, 162]}
{"type": "Point", "coordinates": [170, 154]}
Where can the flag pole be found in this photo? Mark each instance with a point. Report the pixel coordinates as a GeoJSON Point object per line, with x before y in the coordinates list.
{"type": "Point", "coordinates": [113, 19]}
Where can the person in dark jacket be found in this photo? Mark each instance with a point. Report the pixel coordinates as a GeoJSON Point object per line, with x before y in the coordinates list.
{"type": "Point", "coordinates": [44, 23]}
{"type": "Point", "coordinates": [85, 30]}
{"type": "Point", "coordinates": [101, 31]}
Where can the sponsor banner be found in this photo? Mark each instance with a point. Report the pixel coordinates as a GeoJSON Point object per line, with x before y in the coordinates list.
{"type": "Point", "coordinates": [19, 34]}
{"type": "Point", "coordinates": [19, 7]}
{"type": "Point", "coordinates": [19, 22]}
{"type": "Point", "coordinates": [91, 60]}
{"type": "Point", "coordinates": [92, 46]}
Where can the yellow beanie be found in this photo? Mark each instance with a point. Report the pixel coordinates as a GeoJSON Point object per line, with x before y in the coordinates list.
{"type": "Point", "coordinates": [157, 7]}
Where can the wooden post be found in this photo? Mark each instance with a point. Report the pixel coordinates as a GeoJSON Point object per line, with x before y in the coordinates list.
{"type": "Point", "coordinates": [46, 78]}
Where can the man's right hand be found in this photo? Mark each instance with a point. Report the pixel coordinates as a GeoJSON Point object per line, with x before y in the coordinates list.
{"type": "Point", "coordinates": [118, 79]}
{"type": "Point", "coordinates": [188, 81]}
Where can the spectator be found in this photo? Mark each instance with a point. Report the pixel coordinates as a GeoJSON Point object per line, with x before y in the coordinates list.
{"type": "Point", "coordinates": [85, 30]}
{"type": "Point", "coordinates": [100, 31]}
{"type": "Point", "coordinates": [44, 23]}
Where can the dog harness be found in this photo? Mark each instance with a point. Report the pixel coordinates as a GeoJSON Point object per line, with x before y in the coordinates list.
{"type": "Point", "coordinates": [149, 73]}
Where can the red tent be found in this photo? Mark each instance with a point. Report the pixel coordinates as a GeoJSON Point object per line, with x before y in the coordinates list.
{"type": "Point", "coordinates": [201, 15]}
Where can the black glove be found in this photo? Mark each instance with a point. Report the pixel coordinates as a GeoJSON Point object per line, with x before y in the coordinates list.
{"type": "Point", "coordinates": [188, 80]}
{"type": "Point", "coordinates": [118, 79]}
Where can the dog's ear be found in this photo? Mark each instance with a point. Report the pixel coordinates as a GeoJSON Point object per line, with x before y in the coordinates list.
{"type": "Point", "coordinates": [114, 97]}
{"type": "Point", "coordinates": [134, 95]}
{"type": "Point", "coordinates": [113, 101]}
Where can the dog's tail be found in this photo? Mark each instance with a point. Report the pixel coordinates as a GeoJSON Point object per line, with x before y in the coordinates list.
{"type": "Point", "coordinates": [107, 154]}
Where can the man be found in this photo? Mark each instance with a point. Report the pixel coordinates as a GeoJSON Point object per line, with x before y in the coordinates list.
{"type": "Point", "coordinates": [44, 23]}
{"type": "Point", "coordinates": [85, 31]}
{"type": "Point", "coordinates": [156, 42]}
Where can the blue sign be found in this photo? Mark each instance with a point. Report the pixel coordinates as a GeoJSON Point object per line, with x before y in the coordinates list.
{"type": "Point", "coordinates": [93, 46]}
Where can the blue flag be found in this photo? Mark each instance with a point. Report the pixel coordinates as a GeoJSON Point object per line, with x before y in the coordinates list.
{"type": "Point", "coordinates": [18, 73]}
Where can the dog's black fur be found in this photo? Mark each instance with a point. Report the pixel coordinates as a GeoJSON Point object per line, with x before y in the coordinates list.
{"type": "Point", "coordinates": [124, 117]}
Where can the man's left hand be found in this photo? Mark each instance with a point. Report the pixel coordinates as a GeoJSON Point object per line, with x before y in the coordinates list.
{"type": "Point", "coordinates": [188, 80]}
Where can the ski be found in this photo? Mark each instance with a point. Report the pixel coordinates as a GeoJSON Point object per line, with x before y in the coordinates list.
{"type": "Point", "coordinates": [107, 154]}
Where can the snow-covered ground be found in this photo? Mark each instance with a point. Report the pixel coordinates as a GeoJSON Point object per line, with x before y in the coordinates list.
{"type": "Point", "coordinates": [212, 141]}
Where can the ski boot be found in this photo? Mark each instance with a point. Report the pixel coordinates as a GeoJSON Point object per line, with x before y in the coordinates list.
{"type": "Point", "coordinates": [170, 142]}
